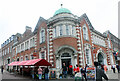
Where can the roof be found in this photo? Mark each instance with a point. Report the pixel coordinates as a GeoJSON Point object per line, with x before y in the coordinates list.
{"type": "Point", "coordinates": [62, 10]}
{"type": "Point", "coordinates": [41, 19]}
{"type": "Point", "coordinates": [33, 62]}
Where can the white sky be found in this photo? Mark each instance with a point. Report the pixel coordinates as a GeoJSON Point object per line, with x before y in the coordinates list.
{"type": "Point", "coordinates": [16, 14]}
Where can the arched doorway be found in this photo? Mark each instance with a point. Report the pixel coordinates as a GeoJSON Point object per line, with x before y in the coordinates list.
{"type": "Point", "coordinates": [100, 58]}
{"type": "Point", "coordinates": [65, 54]}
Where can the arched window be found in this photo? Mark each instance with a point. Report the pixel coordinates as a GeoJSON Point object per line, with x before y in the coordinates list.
{"type": "Point", "coordinates": [42, 35]}
{"type": "Point", "coordinates": [31, 56]}
{"type": "Point", "coordinates": [21, 58]}
{"type": "Point", "coordinates": [26, 57]}
{"type": "Point", "coordinates": [85, 33]}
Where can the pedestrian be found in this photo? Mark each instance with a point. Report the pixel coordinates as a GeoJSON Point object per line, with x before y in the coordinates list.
{"type": "Point", "coordinates": [102, 67]}
{"type": "Point", "coordinates": [100, 73]}
{"type": "Point", "coordinates": [105, 68]}
{"type": "Point", "coordinates": [117, 66]}
{"type": "Point", "coordinates": [40, 73]}
{"type": "Point", "coordinates": [74, 70]}
{"type": "Point", "coordinates": [46, 73]}
{"type": "Point", "coordinates": [83, 72]}
{"type": "Point", "coordinates": [2, 69]}
{"type": "Point", "coordinates": [32, 73]}
{"type": "Point", "coordinates": [78, 76]}
{"type": "Point", "coordinates": [113, 67]}
{"type": "Point", "coordinates": [70, 68]}
{"type": "Point", "coordinates": [35, 76]}
{"type": "Point", "coordinates": [78, 69]}
{"type": "Point", "coordinates": [64, 70]}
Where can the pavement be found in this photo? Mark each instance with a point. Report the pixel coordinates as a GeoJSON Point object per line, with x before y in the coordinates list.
{"type": "Point", "coordinates": [11, 76]}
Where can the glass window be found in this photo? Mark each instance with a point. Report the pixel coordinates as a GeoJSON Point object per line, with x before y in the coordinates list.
{"type": "Point", "coordinates": [42, 55]}
{"type": "Point", "coordinates": [30, 42]}
{"type": "Point", "coordinates": [33, 41]}
{"type": "Point", "coordinates": [27, 44]}
{"type": "Point", "coordinates": [61, 31]}
{"type": "Point", "coordinates": [31, 57]}
{"type": "Point", "coordinates": [55, 34]}
{"type": "Point", "coordinates": [67, 30]}
{"type": "Point", "coordinates": [26, 58]}
{"type": "Point", "coordinates": [42, 36]}
{"type": "Point", "coordinates": [72, 30]}
{"type": "Point", "coordinates": [87, 56]}
{"type": "Point", "coordinates": [21, 58]}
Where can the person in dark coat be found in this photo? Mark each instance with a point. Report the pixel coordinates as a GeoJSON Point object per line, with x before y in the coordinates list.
{"type": "Point", "coordinates": [100, 73]}
{"type": "Point", "coordinates": [46, 73]}
{"type": "Point", "coordinates": [83, 72]}
{"type": "Point", "coordinates": [118, 69]}
{"type": "Point", "coordinates": [2, 69]}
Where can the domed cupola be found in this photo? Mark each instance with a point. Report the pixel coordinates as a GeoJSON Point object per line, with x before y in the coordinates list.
{"type": "Point", "coordinates": [62, 10]}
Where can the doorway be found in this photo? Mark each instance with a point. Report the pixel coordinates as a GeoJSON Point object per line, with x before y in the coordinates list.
{"type": "Point", "coordinates": [66, 58]}
{"type": "Point", "coordinates": [100, 59]}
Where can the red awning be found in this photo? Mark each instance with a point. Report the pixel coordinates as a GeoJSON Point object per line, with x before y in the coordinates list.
{"type": "Point", "coordinates": [37, 62]}
{"type": "Point", "coordinates": [34, 62]}
{"type": "Point", "coordinates": [13, 63]}
{"type": "Point", "coordinates": [21, 63]}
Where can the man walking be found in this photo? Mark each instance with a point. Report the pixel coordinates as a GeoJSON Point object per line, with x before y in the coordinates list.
{"type": "Point", "coordinates": [113, 67]}
{"type": "Point", "coordinates": [64, 69]}
{"type": "Point", "coordinates": [100, 73]}
{"type": "Point", "coordinates": [46, 73]}
{"type": "Point", "coordinates": [2, 69]}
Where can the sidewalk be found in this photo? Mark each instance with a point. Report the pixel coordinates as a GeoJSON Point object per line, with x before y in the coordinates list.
{"type": "Point", "coordinates": [7, 75]}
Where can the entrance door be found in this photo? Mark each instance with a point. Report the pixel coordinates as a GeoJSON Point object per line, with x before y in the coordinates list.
{"type": "Point", "coordinates": [67, 63]}
{"type": "Point", "coordinates": [66, 58]}
{"type": "Point", "coordinates": [100, 59]}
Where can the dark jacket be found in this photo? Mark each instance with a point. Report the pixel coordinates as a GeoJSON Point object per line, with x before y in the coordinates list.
{"type": "Point", "coordinates": [99, 74]}
{"type": "Point", "coordinates": [46, 70]}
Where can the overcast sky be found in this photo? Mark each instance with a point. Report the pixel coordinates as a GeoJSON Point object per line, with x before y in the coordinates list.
{"type": "Point", "coordinates": [15, 15]}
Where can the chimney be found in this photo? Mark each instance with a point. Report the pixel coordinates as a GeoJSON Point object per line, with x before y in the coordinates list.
{"type": "Point", "coordinates": [28, 30]}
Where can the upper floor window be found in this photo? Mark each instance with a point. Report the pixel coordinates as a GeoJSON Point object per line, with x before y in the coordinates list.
{"type": "Point", "coordinates": [33, 41]}
{"type": "Point", "coordinates": [42, 35]}
{"type": "Point", "coordinates": [61, 31]}
{"type": "Point", "coordinates": [26, 58]}
{"type": "Point", "coordinates": [22, 46]}
{"type": "Point", "coordinates": [87, 56]}
{"type": "Point", "coordinates": [27, 44]}
{"type": "Point", "coordinates": [21, 58]}
{"type": "Point", "coordinates": [31, 56]}
{"type": "Point", "coordinates": [109, 43]}
{"type": "Point", "coordinates": [8, 49]}
{"type": "Point", "coordinates": [67, 30]}
{"type": "Point", "coordinates": [85, 33]}
{"type": "Point", "coordinates": [42, 55]}
{"type": "Point", "coordinates": [55, 32]}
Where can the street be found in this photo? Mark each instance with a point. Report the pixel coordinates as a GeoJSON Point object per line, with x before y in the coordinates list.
{"type": "Point", "coordinates": [11, 76]}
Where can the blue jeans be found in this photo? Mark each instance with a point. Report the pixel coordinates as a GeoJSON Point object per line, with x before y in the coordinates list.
{"type": "Point", "coordinates": [33, 76]}
{"type": "Point", "coordinates": [40, 76]}
{"type": "Point", "coordinates": [46, 76]}
{"type": "Point", "coordinates": [65, 73]}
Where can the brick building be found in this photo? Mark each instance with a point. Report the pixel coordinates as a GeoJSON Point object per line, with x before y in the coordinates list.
{"type": "Point", "coordinates": [116, 46]}
{"type": "Point", "coordinates": [7, 51]}
{"type": "Point", "coordinates": [67, 38]}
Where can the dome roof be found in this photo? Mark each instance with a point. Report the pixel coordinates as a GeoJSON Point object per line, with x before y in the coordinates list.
{"type": "Point", "coordinates": [62, 10]}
